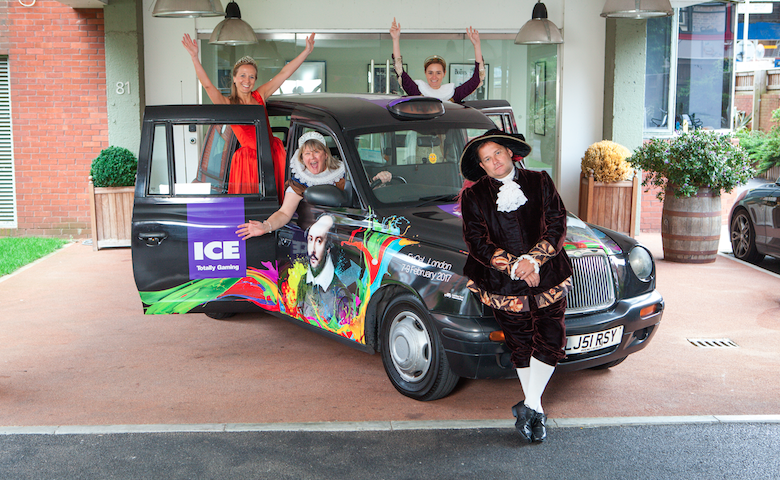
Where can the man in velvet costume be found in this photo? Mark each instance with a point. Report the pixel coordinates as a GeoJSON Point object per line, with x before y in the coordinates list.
{"type": "Point", "coordinates": [514, 224]}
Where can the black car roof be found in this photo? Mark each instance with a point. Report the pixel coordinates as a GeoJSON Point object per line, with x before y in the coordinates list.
{"type": "Point", "coordinates": [200, 113]}
{"type": "Point", "coordinates": [366, 110]}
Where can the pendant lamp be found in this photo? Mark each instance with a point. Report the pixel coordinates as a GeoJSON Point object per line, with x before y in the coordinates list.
{"type": "Point", "coordinates": [538, 30]}
{"type": "Point", "coordinates": [188, 8]}
{"type": "Point", "coordinates": [232, 30]}
{"type": "Point", "coordinates": [637, 9]}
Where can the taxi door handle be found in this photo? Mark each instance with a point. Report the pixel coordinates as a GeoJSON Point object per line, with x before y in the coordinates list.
{"type": "Point", "coordinates": [153, 239]}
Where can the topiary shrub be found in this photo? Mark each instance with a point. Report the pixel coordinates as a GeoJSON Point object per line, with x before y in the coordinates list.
{"type": "Point", "coordinates": [114, 167]}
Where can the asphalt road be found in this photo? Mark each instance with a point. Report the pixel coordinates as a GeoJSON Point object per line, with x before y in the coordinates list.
{"type": "Point", "coordinates": [689, 451]}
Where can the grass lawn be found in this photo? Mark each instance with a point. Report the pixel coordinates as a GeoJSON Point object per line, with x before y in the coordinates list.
{"type": "Point", "coordinates": [16, 252]}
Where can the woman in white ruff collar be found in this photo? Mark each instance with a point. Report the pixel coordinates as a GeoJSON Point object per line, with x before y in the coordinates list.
{"type": "Point", "coordinates": [311, 164]}
{"type": "Point", "coordinates": [435, 69]}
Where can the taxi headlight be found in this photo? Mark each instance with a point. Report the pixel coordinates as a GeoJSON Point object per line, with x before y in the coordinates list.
{"type": "Point", "coordinates": [641, 263]}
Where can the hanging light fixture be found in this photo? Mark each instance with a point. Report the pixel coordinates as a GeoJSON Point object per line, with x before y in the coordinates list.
{"type": "Point", "coordinates": [232, 30]}
{"type": "Point", "coordinates": [637, 9]}
{"type": "Point", "coordinates": [188, 8]}
{"type": "Point", "coordinates": [538, 30]}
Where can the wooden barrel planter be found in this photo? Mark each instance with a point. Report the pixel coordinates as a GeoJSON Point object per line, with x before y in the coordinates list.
{"type": "Point", "coordinates": [611, 205]}
{"type": "Point", "coordinates": [690, 227]}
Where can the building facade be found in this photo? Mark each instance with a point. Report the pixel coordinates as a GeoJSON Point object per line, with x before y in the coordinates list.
{"type": "Point", "coordinates": [72, 95]}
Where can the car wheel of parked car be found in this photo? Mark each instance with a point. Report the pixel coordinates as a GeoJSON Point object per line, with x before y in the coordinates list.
{"type": "Point", "coordinates": [607, 365]}
{"type": "Point", "coordinates": [220, 315]}
{"type": "Point", "coordinates": [412, 353]}
{"type": "Point", "coordinates": [743, 238]}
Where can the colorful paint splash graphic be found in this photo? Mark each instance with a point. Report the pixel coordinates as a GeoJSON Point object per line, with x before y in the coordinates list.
{"type": "Point", "coordinates": [258, 287]}
{"type": "Point", "coordinates": [380, 242]}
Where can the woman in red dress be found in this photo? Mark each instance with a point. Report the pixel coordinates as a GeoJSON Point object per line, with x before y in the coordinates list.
{"type": "Point", "coordinates": [243, 170]}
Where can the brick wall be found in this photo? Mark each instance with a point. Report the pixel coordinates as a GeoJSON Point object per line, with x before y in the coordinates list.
{"type": "Point", "coordinates": [56, 56]}
{"type": "Point", "coordinates": [769, 103]}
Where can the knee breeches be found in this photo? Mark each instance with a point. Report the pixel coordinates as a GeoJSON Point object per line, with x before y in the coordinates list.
{"type": "Point", "coordinates": [538, 333]}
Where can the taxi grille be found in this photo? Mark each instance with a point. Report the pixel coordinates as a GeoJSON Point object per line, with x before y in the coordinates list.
{"type": "Point", "coordinates": [593, 285]}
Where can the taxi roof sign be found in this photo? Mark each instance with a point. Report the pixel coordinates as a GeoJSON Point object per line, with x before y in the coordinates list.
{"type": "Point", "coordinates": [416, 108]}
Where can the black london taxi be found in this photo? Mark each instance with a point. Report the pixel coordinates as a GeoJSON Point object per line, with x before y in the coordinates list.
{"type": "Point", "coordinates": [378, 267]}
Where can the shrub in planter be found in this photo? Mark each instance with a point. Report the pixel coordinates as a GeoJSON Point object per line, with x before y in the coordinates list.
{"type": "Point", "coordinates": [607, 161]}
{"type": "Point", "coordinates": [691, 171]}
{"type": "Point", "coordinates": [692, 160]}
{"type": "Point", "coordinates": [607, 197]}
{"type": "Point", "coordinates": [114, 167]}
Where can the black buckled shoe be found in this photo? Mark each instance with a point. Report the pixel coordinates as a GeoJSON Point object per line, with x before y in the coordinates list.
{"type": "Point", "coordinates": [525, 420]}
{"type": "Point", "coordinates": [539, 427]}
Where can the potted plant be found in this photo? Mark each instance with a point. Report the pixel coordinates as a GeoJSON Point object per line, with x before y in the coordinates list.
{"type": "Point", "coordinates": [609, 188]}
{"type": "Point", "coordinates": [691, 170]}
{"type": "Point", "coordinates": [111, 180]}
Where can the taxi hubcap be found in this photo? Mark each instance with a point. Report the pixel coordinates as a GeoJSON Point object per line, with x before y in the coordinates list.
{"type": "Point", "coordinates": [410, 346]}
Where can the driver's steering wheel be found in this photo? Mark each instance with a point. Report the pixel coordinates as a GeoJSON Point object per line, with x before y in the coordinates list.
{"type": "Point", "coordinates": [378, 182]}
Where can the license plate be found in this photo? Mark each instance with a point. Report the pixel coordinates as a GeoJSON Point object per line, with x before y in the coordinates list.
{"type": "Point", "coordinates": [593, 341]}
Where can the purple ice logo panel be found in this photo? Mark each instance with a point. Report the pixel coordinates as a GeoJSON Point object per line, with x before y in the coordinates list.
{"type": "Point", "coordinates": [215, 251]}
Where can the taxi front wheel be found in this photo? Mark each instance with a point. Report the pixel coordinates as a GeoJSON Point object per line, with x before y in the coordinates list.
{"type": "Point", "coordinates": [412, 354]}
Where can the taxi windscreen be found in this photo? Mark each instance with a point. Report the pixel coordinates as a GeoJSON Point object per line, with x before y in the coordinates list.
{"type": "Point", "coordinates": [424, 163]}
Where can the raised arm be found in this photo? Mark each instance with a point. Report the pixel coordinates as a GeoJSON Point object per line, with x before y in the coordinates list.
{"type": "Point", "coordinates": [268, 88]}
{"type": "Point", "coordinates": [473, 35]}
{"type": "Point", "coordinates": [395, 34]}
{"type": "Point", "coordinates": [214, 94]}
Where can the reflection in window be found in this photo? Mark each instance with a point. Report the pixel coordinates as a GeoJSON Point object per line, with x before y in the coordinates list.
{"type": "Point", "coordinates": [701, 90]}
{"type": "Point", "coordinates": [657, 69]}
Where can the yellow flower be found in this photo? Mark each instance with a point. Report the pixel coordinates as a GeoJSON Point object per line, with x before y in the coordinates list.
{"type": "Point", "coordinates": [607, 161]}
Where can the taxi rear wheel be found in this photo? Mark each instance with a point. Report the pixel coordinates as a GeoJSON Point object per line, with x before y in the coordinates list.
{"type": "Point", "coordinates": [412, 354]}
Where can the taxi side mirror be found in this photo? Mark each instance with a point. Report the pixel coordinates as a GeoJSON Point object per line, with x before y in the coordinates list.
{"type": "Point", "coordinates": [326, 196]}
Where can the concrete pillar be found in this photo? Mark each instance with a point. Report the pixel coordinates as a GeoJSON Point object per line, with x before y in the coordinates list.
{"type": "Point", "coordinates": [624, 88]}
{"type": "Point", "coordinates": [123, 20]}
{"type": "Point", "coordinates": [624, 81]}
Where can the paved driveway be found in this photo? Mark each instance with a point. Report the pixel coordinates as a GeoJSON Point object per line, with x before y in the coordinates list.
{"type": "Point", "coordinates": [75, 349]}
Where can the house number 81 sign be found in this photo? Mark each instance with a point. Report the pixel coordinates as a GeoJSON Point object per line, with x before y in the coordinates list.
{"type": "Point", "coordinates": [123, 88]}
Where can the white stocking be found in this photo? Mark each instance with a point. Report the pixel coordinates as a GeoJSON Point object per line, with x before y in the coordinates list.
{"type": "Point", "coordinates": [540, 374]}
{"type": "Point", "coordinates": [524, 374]}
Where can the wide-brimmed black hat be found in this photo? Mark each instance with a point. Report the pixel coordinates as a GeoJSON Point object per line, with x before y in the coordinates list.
{"type": "Point", "coordinates": [469, 161]}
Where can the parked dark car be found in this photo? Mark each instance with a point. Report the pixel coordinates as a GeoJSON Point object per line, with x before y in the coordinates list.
{"type": "Point", "coordinates": [755, 223]}
{"type": "Point", "coordinates": [396, 250]}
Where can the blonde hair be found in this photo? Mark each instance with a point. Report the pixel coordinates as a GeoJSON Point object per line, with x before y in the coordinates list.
{"type": "Point", "coordinates": [247, 60]}
{"type": "Point", "coordinates": [331, 162]}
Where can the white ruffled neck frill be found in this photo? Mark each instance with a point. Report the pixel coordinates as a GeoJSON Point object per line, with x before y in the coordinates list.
{"type": "Point", "coordinates": [308, 179]}
{"type": "Point", "coordinates": [443, 93]}
{"type": "Point", "coordinates": [510, 195]}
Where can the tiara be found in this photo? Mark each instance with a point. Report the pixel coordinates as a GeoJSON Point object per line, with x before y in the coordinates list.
{"type": "Point", "coordinates": [246, 60]}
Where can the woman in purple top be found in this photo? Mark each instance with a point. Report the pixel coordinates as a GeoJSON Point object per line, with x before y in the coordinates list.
{"type": "Point", "coordinates": [435, 68]}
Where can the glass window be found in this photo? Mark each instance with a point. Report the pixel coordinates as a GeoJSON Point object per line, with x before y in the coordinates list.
{"type": "Point", "coordinates": [525, 76]}
{"type": "Point", "coordinates": [695, 76]}
{"type": "Point", "coordinates": [208, 159]}
{"type": "Point", "coordinates": [657, 72]}
{"type": "Point", "coordinates": [423, 162]}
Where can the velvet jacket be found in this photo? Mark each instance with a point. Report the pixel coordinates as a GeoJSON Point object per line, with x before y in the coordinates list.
{"type": "Point", "coordinates": [496, 239]}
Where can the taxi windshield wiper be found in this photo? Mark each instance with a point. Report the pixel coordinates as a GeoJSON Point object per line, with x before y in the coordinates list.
{"type": "Point", "coordinates": [447, 197]}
